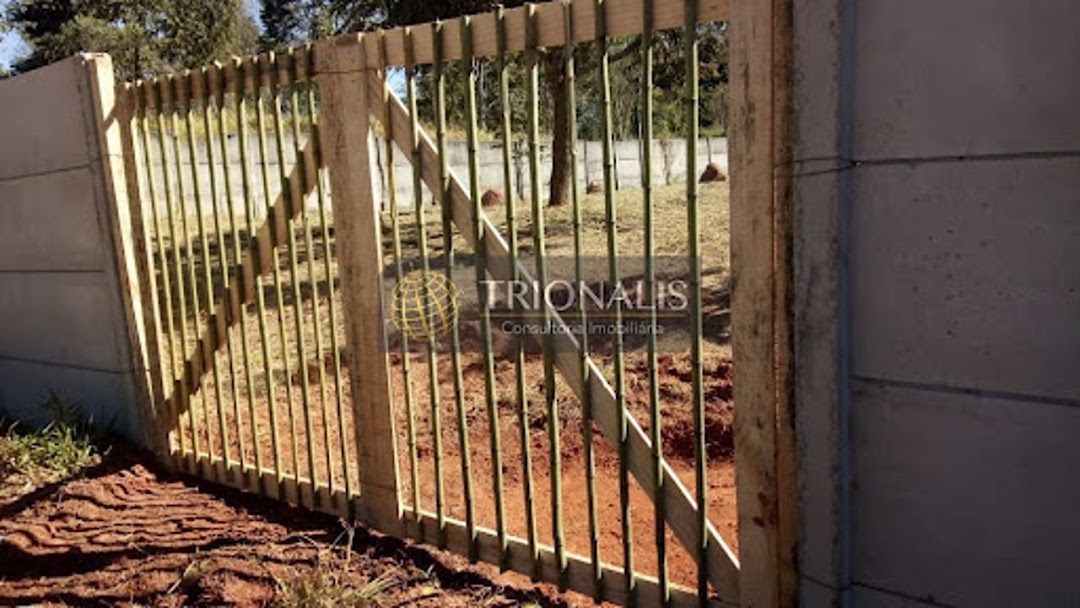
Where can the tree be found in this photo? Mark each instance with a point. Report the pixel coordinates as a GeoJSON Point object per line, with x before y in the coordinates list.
{"type": "Point", "coordinates": [143, 36]}
{"type": "Point", "coordinates": [293, 21]}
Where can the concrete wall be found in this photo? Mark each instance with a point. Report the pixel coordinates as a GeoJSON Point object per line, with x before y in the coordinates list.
{"type": "Point", "coordinates": [938, 301]}
{"type": "Point", "coordinates": [62, 319]}
{"type": "Point", "coordinates": [669, 166]}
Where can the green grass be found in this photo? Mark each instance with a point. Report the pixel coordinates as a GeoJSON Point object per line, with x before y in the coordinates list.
{"type": "Point", "coordinates": [64, 447]}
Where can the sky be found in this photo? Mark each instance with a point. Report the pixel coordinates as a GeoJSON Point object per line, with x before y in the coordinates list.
{"type": "Point", "coordinates": [11, 46]}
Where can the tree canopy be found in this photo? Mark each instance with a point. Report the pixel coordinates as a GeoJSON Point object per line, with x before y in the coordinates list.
{"type": "Point", "coordinates": [143, 36]}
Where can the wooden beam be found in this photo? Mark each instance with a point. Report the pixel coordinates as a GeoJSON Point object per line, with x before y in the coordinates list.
{"type": "Point", "coordinates": [345, 131]}
{"type": "Point", "coordinates": [723, 565]}
{"type": "Point", "coordinates": [761, 335]}
{"type": "Point", "coordinates": [107, 118]}
{"type": "Point", "coordinates": [156, 392]}
{"type": "Point", "coordinates": [624, 18]}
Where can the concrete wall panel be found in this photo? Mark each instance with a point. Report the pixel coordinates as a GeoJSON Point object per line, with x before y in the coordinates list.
{"type": "Point", "coordinates": [94, 392]}
{"type": "Point", "coordinates": [61, 318]}
{"type": "Point", "coordinates": [957, 78]}
{"type": "Point", "coordinates": [965, 275]}
{"type": "Point", "coordinates": [43, 126]}
{"type": "Point", "coordinates": [963, 500]}
{"type": "Point", "coordinates": [45, 225]}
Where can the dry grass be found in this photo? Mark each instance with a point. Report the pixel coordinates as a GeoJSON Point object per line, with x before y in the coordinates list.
{"type": "Point", "coordinates": [288, 325]}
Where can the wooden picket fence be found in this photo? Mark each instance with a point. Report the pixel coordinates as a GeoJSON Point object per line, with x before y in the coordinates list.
{"type": "Point", "coordinates": [265, 265]}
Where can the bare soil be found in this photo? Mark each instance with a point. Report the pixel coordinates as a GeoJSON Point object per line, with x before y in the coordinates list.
{"type": "Point", "coordinates": [128, 534]}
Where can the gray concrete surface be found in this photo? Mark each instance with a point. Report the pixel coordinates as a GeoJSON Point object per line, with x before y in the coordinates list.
{"type": "Point", "coordinates": [62, 325]}
{"type": "Point", "coordinates": [937, 302]}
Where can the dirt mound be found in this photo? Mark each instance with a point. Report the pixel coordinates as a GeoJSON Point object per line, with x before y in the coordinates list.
{"type": "Point", "coordinates": [492, 198]}
{"type": "Point", "coordinates": [712, 173]}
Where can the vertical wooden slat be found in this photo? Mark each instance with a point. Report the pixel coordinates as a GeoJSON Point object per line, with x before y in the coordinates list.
{"type": "Point", "coordinates": [422, 236]}
{"type": "Point", "coordinates": [154, 242]}
{"type": "Point", "coordinates": [291, 194]}
{"type": "Point", "coordinates": [177, 398]}
{"type": "Point", "coordinates": [216, 89]}
{"type": "Point", "coordinates": [655, 417]}
{"type": "Point", "coordinates": [611, 219]}
{"type": "Point", "coordinates": [538, 229]}
{"type": "Point", "coordinates": [220, 326]}
{"type": "Point", "coordinates": [693, 214]}
{"type": "Point", "coordinates": [481, 275]}
{"type": "Point", "coordinates": [399, 273]}
{"type": "Point", "coordinates": [193, 81]}
{"type": "Point", "coordinates": [582, 316]}
{"type": "Point", "coordinates": [439, 31]}
{"type": "Point", "coordinates": [512, 245]}
{"type": "Point", "coordinates": [298, 60]}
{"type": "Point", "coordinates": [168, 87]}
{"type": "Point", "coordinates": [346, 119]}
{"type": "Point", "coordinates": [260, 72]}
{"type": "Point", "coordinates": [245, 71]}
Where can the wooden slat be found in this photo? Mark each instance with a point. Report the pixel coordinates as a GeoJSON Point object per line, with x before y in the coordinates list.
{"type": "Point", "coordinates": [111, 121]}
{"type": "Point", "coordinates": [240, 292]}
{"type": "Point", "coordinates": [723, 564]}
{"type": "Point", "coordinates": [624, 18]}
{"type": "Point", "coordinates": [227, 71]}
{"type": "Point", "coordinates": [357, 231]}
{"type": "Point", "coordinates": [579, 570]}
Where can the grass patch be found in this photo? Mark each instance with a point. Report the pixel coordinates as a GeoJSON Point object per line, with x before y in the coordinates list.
{"type": "Point", "coordinates": [66, 446]}
{"type": "Point", "coordinates": [332, 582]}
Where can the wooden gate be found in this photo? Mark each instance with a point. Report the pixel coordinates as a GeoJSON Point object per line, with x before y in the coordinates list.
{"type": "Point", "coordinates": [272, 238]}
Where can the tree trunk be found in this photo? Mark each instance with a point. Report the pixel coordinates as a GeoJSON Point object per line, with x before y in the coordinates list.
{"type": "Point", "coordinates": [560, 144]}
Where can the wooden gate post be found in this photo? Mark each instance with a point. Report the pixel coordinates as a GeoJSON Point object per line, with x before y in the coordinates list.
{"type": "Point", "coordinates": [343, 134]}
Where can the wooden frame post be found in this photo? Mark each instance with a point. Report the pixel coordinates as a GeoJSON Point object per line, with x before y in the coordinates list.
{"type": "Point", "coordinates": [110, 119]}
{"type": "Point", "coordinates": [760, 52]}
{"type": "Point", "coordinates": [346, 126]}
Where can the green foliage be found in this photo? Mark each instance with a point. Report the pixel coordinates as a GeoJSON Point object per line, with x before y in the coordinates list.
{"type": "Point", "coordinates": [63, 448]}
{"type": "Point", "coordinates": [144, 37]}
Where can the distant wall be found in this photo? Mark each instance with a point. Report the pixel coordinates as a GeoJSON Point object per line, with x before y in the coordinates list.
{"type": "Point", "coordinates": [937, 253]}
{"type": "Point", "coordinates": [62, 319]}
{"type": "Point", "coordinates": [669, 166]}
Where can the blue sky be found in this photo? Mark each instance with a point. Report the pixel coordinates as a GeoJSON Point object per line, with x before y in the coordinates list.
{"type": "Point", "coordinates": [11, 46]}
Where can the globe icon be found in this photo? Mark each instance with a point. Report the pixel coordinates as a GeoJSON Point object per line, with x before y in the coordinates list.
{"type": "Point", "coordinates": [425, 305]}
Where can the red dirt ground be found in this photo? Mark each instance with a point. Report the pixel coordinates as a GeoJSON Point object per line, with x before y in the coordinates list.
{"type": "Point", "coordinates": [127, 534]}
{"type": "Point", "coordinates": [677, 430]}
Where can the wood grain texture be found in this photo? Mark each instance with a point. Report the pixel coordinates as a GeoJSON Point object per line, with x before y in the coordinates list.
{"type": "Point", "coordinates": [344, 141]}
{"type": "Point", "coordinates": [761, 334]}
{"type": "Point", "coordinates": [624, 18]}
{"type": "Point", "coordinates": [105, 121]}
